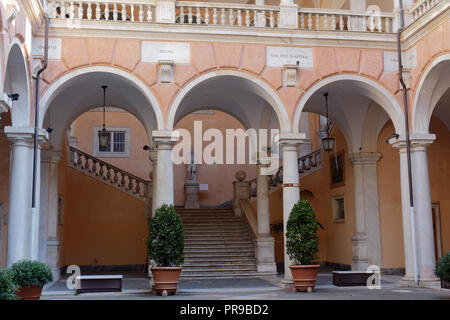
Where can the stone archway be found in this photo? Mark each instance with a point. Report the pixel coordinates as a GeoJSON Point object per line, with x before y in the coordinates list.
{"type": "Point", "coordinates": [433, 84]}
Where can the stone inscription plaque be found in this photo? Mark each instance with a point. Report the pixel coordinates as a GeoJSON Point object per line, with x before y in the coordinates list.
{"type": "Point", "coordinates": [280, 56]}
{"type": "Point", "coordinates": [153, 51]}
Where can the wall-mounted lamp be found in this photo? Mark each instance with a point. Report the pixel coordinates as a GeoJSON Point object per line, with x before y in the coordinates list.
{"type": "Point", "coordinates": [49, 130]}
{"type": "Point", "coordinates": [14, 96]}
{"type": "Point", "coordinates": [146, 148]}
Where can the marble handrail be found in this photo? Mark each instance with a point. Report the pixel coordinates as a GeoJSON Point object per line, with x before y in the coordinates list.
{"type": "Point", "coordinates": [219, 14]}
{"type": "Point", "coordinates": [108, 173]}
{"type": "Point", "coordinates": [423, 6]}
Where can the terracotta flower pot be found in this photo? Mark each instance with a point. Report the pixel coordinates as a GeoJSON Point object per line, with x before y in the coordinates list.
{"type": "Point", "coordinates": [166, 279]}
{"type": "Point", "coordinates": [31, 293]}
{"type": "Point", "coordinates": [304, 276]}
{"type": "Point", "coordinates": [445, 284]}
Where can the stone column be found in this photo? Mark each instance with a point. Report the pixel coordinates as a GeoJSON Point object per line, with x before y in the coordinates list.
{"type": "Point", "coordinates": [367, 238]}
{"type": "Point", "coordinates": [49, 243]}
{"type": "Point", "coordinates": [423, 222]}
{"type": "Point", "coordinates": [241, 190]}
{"type": "Point", "coordinates": [154, 160]}
{"type": "Point", "coordinates": [265, 244]}
{"type": "Point", "coordinates": [291, 187]}
{"type": "Point", "coordinates": [163, 190]}
{"type": "Point", "coordinates": [20, 215]}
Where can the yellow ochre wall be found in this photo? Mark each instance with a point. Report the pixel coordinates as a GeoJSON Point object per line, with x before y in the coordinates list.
{"type": "Point", "coordinates": [102, 226]}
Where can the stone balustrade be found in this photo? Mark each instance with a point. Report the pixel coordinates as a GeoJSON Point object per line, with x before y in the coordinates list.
{"type": "Point", "coordinates": [218, 14]}
{"type": "Point", "coordinates": [306, 165]}
{"type": "Point", "coordinates": [108, 173]}
{"type": "Point", "coordinates": [423, 6]}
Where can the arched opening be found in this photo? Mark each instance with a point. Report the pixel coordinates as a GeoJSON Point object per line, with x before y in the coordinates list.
{"type": "Point", "coordinates": [361, 112]}
{"type": "Point", "coordinates": [16, 82]}
{"type": "Point", "coordinates": [431, 114]}
{"type": "Point", "coordinates": [102, 191]}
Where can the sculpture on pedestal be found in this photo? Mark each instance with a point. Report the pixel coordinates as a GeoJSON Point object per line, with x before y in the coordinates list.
{"type": "Point", "coordinates": [191, 186]}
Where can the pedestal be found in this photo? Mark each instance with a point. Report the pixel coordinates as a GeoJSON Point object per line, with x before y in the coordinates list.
{"type": "Point", "coordinates": [191, 199]}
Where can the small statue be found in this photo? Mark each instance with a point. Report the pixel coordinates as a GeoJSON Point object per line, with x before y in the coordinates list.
{"type": "Point", "coordinates": [192, 170]}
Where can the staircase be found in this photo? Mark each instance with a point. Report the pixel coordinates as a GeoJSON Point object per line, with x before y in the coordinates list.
{"type": "Point", "coordinates": [217, 245]}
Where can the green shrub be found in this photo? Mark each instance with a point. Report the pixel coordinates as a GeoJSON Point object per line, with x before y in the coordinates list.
{"type": "Point", "coordinates": [166, 237]}
{"type": "Point", "coordinates": [27, 273]}
{"type": "Point", "coordinates": [443, 267]}
{"type": "Point", "coordinates": [302, 243]}
{"type": "Point", "coordinates": [7, 286]}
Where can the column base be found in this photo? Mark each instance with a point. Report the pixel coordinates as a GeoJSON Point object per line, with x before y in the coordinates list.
{"type": "Point", "coordinates": [287, 285]}
{"type": "Point", "coordinates": [430, 283]}
{"type": "Point", "coordinates": [53, 257]}
{"type": "Point", "coordinates": [268, 268]}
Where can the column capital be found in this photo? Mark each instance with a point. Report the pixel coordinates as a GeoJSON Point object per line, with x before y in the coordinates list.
{"type": "Point", "coordinates": [292, 138]}
{"type": "Point", "coordinates": [419, 141]}
{"type": "Point", "coordinates": [165, 139]}
{"type": "Point", "coordinates": [24, 135]}
{"type": "Point", "coordinates": [362, 158]}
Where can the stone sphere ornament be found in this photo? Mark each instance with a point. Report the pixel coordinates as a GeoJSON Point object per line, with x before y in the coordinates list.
{"type": "Point", "coordinates": [241, 175]}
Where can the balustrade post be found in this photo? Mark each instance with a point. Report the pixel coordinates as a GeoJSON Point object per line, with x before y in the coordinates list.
{"type": "Point", "coordinates": [288, 15]}
{"type": "Point", "coordinates": [165, 11]}
{"type": "Point", "coordinates": [241, 191]}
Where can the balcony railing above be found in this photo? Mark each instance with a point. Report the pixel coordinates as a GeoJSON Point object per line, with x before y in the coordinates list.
{"type": "Point", "coordinates": [219, 15]}
{"type": "Point", "coordinates": [422, 7]}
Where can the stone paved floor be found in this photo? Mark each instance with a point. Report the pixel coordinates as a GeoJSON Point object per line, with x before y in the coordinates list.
{"type": "Point", "coordinates": [136, 287]}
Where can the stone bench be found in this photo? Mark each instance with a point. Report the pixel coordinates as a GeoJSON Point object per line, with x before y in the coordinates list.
{"type": "Point", "coordinates": [351, 278]}
{"type": "Point", "coordinates": [99, 283]}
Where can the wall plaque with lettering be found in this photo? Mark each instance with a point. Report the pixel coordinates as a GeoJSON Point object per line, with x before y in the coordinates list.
{"type": "Point", "coordinates": [153, 51]}
{"type": "Point", "coordinates": [280, 56]}
{"type": "Point", "coordinates": [54, 48]}
{"type": "Point", "coordinates": [390, 60]}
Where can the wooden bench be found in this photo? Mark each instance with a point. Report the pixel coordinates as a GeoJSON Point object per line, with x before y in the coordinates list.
{"type": "Point", "coordinates": [351, 278]}
{"type": "Point", "coordinates": [99, 283]}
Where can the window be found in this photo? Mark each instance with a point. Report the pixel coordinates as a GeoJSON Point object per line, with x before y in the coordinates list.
{"type": "Point", "coordinates": [337, 169]}
{"type": "Point", "coordinates": [119, 143]}
{"type": "Point", "coordinates": [338, 209]}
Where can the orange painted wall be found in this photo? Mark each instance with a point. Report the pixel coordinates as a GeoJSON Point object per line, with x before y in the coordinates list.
{"type": "Point", "coordinates": [102, 226]}
{"type": "Point", "coordinates": [138, 163]}
{"type": "Point", "coordinates": [390, 196]}
{"type": "Point", "coordinates": [390, 205]}
{"type": "Point", "coordinates": [219, 177]}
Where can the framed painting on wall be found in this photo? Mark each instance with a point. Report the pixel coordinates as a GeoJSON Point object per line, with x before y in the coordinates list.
{"type": "Point", "coordinates": [337, 169]}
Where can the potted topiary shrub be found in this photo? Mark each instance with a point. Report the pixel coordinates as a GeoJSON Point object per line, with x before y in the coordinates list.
{"type": "Point", "coordinates": [302, 245]}
{"type": "Point", "coordinates": [7, 286]}
{"type": "Point", "coordinates": [443, 270]}
{"type": "Point", "coordinates": [166, 249]}
{"type": "Point", "coordinates": [30, 276]}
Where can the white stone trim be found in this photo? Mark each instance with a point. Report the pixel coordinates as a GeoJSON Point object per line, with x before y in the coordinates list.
{"type": "Point", "coordinates": [422, 127]}
{"type": "Point", "coordinates": [56, 86]}
{"type": "Point", "coordinates": [111, 154]}
{"type": "Point", "coordinates": [266, 93]}
{"type": "Point", "coordinates": [376, 92]}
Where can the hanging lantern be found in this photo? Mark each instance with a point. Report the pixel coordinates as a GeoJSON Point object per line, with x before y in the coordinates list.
{"type": "Point", "coordinates": [327, 141]}
{"type": "Point", "coordinates": [328, 144]}
{"type": "Point", "coordinates": [104, 135]}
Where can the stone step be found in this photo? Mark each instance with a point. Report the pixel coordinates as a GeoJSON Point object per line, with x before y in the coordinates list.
{"type": "Point", "coordinates": [221, 275]}
{"type": "Point", "coordinates": [210, 259]}
{"type": "Point", "coordinates": [210, 255]}
{"type": "Point", "coordinates": [220, 248]}
{"type": "Point", "coordinates": [206, 264]}
{"type": "Point", "coordinates": [217, 270]}
{"type": "Point", "coordinates": [197, 237]}
{"type": "Point", "coordinates": [219, 245]}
